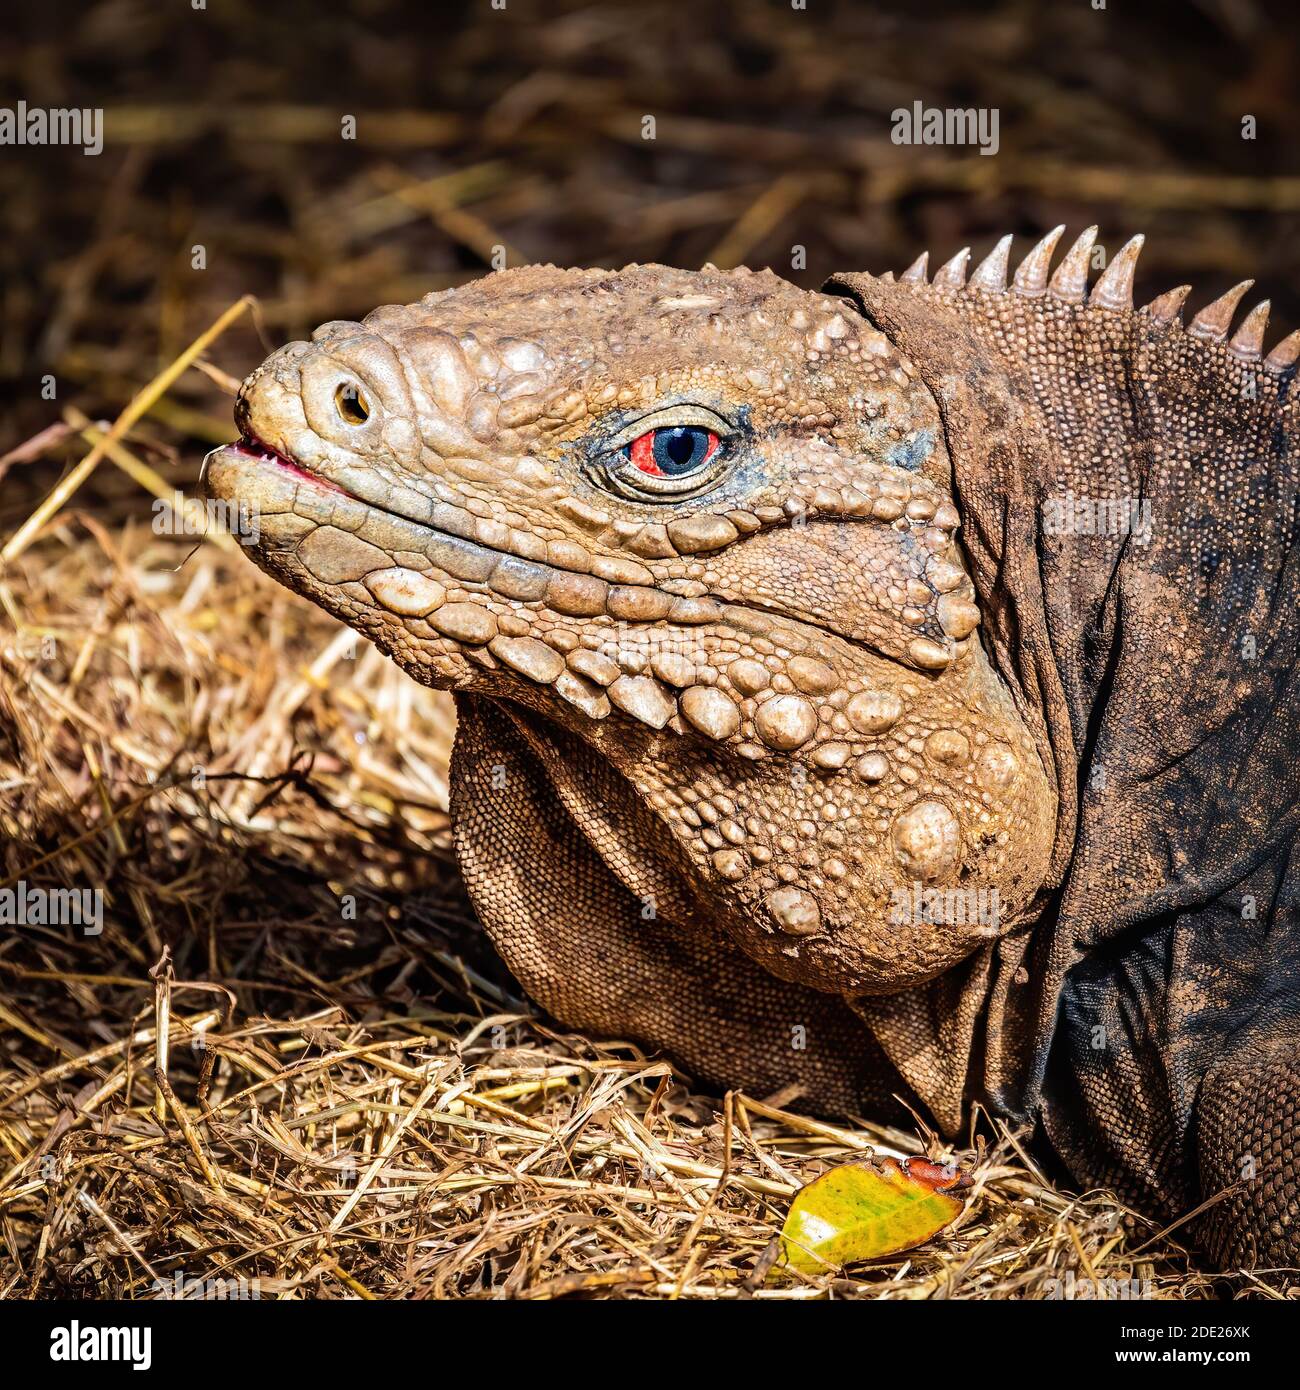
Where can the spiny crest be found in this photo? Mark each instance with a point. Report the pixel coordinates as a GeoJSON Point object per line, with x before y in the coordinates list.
{"type": "Point", "coordinates": [1112, 293]}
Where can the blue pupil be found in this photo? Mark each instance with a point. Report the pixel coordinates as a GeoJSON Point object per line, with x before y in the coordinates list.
{"type": "Point", "coordinates": [680, 449]}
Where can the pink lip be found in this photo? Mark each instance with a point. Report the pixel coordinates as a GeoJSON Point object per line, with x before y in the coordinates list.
{"type": "Point", "coordinates": [253, 447]}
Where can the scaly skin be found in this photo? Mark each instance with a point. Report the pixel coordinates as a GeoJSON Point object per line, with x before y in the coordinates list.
{"type": "Point", "coordinates": [718, 730]}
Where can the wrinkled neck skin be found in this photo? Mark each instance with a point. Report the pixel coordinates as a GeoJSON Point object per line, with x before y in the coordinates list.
{"type": "Point", "coordinates": [1157, 671]}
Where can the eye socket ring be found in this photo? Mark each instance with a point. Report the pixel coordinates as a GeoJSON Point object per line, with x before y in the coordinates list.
{"type": "Point", "coordinates": [351, 403]}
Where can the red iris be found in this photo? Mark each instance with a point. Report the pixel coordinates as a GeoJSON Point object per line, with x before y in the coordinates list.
{"type": "Point", "coordinates": [672, 451]}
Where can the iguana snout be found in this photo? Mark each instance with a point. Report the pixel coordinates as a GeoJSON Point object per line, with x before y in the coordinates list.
{"type": "Point", "coordinates": [702, 523]}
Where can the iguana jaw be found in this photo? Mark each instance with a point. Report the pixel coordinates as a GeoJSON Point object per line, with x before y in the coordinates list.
{"type": "Point", "coordinates": [252, 473]}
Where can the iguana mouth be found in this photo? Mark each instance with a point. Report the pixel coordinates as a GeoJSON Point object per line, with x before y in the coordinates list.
{"type": "Point", "coordinates": [251, 446]}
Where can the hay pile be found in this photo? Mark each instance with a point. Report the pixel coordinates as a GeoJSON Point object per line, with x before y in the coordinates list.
{"type": "Point", "coordinates": [291, 1060]}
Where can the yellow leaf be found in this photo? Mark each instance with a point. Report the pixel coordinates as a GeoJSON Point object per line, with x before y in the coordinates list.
{"type": "Point", "coordinates": [861, 1210]}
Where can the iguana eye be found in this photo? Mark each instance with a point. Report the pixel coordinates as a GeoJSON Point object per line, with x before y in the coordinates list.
{"type": "Point", "coordinates": [673, 451]}
{"type": "Point", "coordinates": [677, 451]}
{"type": "Point", "coordinates": [351, 404]}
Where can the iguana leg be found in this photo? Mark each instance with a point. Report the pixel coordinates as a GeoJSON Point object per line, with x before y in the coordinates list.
{"type": "Point", "coordinates": [631, 961]}
{"type": "Point", "coordinates": [1248, 1139]}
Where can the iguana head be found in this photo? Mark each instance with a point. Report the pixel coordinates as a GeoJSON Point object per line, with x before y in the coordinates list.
{"type": "Point", "coordinates": [705, 522]}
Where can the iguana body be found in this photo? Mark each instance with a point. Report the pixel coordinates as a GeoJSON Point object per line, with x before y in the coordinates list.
{"type": "Point", "coordinates": [761, 762]}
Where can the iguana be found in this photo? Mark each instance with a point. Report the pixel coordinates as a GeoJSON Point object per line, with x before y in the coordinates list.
{"type": "Point", "coordinates": [886, 691]}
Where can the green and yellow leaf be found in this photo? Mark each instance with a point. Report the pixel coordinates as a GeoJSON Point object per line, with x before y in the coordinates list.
{"type": "Point", "coordinates": [862, 1210]}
